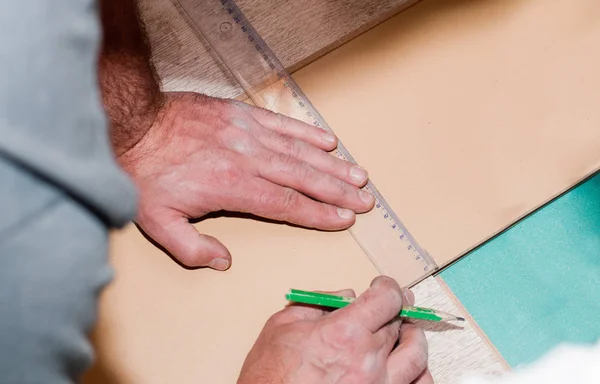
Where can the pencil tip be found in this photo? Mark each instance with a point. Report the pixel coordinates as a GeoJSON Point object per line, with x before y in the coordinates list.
{"type": "Point", "coordinates": [460, 318]}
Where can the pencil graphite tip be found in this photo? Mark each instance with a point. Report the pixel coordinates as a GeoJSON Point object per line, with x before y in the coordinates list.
{"type": "Point", "coordinates": [460, 318]}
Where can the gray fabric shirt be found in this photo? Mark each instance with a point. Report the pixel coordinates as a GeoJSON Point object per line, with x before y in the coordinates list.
{"type": "Point", "coordinates": [60, 189]}
{"type": "Point", "coordinates": [51, 119]}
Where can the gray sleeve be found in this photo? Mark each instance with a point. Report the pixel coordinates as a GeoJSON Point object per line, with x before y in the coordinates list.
{"type": "Point", "coordinates": [51, 117]}
{"type": "Point", "coordinates": [59, 189]}
{"type": "Point", "coordinates": [53, 265]}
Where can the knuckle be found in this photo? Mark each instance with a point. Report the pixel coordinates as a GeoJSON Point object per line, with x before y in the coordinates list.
{"type": "Point", "coordinates": [226, 173]}
{"type": "Point", "coordinates": [278, 120]}
{"type": "Point", "coordinates": [290, 165]}
{"type": "Point", "coordinates": [389, 287]}
{"type": "Point", "coordinates": [378, 311]}
{"type": "Point", "coordinates": [289, 199]}
{"type": "Point", "coordinates": [297, 149]}
{"type": "Point", "coordinates": [284, 162]}
{"type": "Point", "coordinates": [280, 204]}
{"type": "Point", "coordinates": [187, 254]}
{"type": "Point", "coordinates": [342, 188]}
{"type": "Point", "coordinates": [285, 144]}
{"type": "Point", "coordinates": [266, 198]}
{"type": "Point", "coordinates": [277, 319]}
{"type": "Point", "coordinates": [268, 119]}
{"type": "Point", "coordinates": [392, 330]}
{"type": "Point", "coordinates": [341, 334]}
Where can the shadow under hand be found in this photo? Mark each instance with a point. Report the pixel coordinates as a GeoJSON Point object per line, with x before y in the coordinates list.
{"type": "Point", "coordinates": [215, 215]}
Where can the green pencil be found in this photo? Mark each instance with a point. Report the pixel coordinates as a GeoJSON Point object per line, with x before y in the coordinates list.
{"type": "Point", "coordinates": [332, 301]}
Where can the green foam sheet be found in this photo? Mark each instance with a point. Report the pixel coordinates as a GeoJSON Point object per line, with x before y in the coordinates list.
{"type": "Point", "coordinates": [537, 284]}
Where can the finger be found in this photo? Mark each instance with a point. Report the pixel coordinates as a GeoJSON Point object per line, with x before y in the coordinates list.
{"type": "Point", "coordinates": [183, 242]}
{"type": "Point", "coordinates": [388, 334]}
{"type": "Point", "coordinates": [408, 297]}
{"type": "Point", "coordinates": [289, 172]}
{"type": "Point", "coordinates": [425, 378]}
{"type": "Point", "coordinates": [272, 201]}
{"type": "Point", "coordinates": [296, 128]}
{"type": "Point", "coordinates": [408, 362]}
{"type": "Point", "coordinates": [323, 161]}
{"type": "Point", "coordinates": [376, 306]}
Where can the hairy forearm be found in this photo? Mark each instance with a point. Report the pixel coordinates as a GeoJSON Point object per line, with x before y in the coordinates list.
{"type": "Point", "coordinates": [130, 89]}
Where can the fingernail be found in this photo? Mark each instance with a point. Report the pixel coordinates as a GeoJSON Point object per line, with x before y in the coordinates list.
{"type": "Point", "coordinates": [366, 196]}
{"type": "Point", "coordinates": [220, 264]}
{"type": "Point", "coordinates": [409, 296]}
{"type": "Point", "coordinates": [345, 214]}
{"type": "Point", "coordinates": [329, 139]}
{"type": "Point", "coordinates": [358, 174]}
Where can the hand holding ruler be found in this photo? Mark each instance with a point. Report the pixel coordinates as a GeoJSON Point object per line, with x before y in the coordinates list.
{"type": "Point", "coordinates": [380, 233]}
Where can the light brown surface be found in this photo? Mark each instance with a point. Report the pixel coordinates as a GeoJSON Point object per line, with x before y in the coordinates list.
{"type": "Point", "coordinates": [468, 114]}
{"type": "Point", "coordinates": [297, 31]}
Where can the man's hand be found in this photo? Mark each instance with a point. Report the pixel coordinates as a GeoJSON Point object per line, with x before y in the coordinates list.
{"type": "Point", "coordinates": [191, 155]}
{"type": "Point", "coordinates": [203, 155]}
{"type": "Point", "coordinates": [362, 343]}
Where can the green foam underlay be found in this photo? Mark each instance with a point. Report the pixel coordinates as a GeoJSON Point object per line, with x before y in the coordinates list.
{"type": "Point", "coordinates": [537, 284]}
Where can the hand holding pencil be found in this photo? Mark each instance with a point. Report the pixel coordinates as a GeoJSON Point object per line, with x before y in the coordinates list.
{"type": "Point", "coordinates": [334, 301]}
{"type": "Point", "coordinates": [366, 342]}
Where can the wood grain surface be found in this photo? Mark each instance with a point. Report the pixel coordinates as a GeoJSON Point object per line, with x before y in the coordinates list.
{"type": "Point", "coordinates": [298, 32]}
{"type": "Point", "coordinates": [454, 348]}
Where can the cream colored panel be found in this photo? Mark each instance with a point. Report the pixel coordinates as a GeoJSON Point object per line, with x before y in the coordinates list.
{"type": "Point", "coordinates": [468, 114]}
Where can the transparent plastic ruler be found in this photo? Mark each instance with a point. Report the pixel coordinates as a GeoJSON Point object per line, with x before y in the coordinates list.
{"type": "Point", "coordinates": [380, 233]}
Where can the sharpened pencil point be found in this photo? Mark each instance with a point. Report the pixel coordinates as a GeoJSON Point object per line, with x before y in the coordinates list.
{"type": "Point", "coordinates": [460, 318]}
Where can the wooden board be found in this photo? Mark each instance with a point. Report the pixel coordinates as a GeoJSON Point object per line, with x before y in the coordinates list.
{"type": "Point", "coordinates": [298, 33]}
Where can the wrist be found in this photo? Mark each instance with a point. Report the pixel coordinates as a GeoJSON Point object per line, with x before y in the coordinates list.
{"type": "Point", "coordinates": [138, 139]}
{"type": "Point", "coordinates": [130, 88]}
{"type": "Point", "coordinates": [128, 130]}
{"type": "Point", "coordinates": [131, 105]}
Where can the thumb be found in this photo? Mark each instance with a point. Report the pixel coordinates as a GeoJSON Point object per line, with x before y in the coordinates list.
{"type": "Point", "coordinates": [183, 242]}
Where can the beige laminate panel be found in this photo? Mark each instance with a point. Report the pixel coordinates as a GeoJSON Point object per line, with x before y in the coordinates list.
{"type": "Point", "coordinates": [468, 114]}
